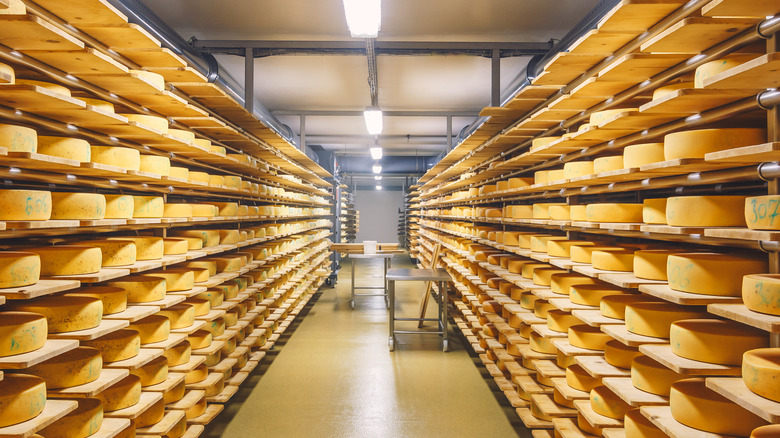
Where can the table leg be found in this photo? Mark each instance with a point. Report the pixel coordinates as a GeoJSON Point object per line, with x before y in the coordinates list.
{"type": "Point", "coordinates": [384, 280]}
{"type": "Point", "coordinates": [391, 318]}
{"type": "Point", "coordinates": [352, 292]}
{"type": "Point", "coordinates": [443, 293]}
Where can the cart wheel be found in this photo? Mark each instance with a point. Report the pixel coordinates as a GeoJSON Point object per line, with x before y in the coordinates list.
{"type": "Point", "coordinates": [329, 282]}
{"type": "Point", "coordinates": [352, 304]}
{"type": "Point", "coordinates": [445, 345]}
{"type": "Point", "coordinates": [391, 344]}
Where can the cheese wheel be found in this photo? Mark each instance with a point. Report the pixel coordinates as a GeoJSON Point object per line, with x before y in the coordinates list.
{"type": "Point", "coordinates": [179, 172]}
{"type": "Point", "coordinates": [209, 237]}
{"type": "Point", "coordinates": [203, 210]}
{"type": "Point", "coordinates": [590, 338]}
{"type": "Point", "coordinates": [175, 246]}
{"type": "Point", "coordinates": [22, 398]}
{"type": "Point", "coordinates": [698, 143]}
{"type": "Point", "coordinates": [655, 319]}
{"type": "Point", "coordinates": [201, 177]}
{"type": "Point", "coordinates": [192, 243]}
{"type": "Point", "coordinates": [113, 252]}
{"type": "Point", "coordinates": [760, 212]}
{"type": "Point", "coordinates": [542, 276]}
{"type": "Point", "coordinates": [55, 88]}
{"type": "Point", "coordinates": [591, 294]}
{"type": "Point", "coordinates": [200, 339]}
{"type": "Point", "coordinates": [560, 321]}
{"type": "Point", "coordinates": [614, 306]}
{"type": "Point", "coordinates": [197, 410]}
{"type": "Point", "coordinates": [114, 299]}
{"type": "Point", "coordinates": [541, 344]}
{"type": "Point", "coordinates": [578, 213]}
{"type": "Point", "coordinates": [119, 207]}
{"type": "Point", "coordinates": [233, 182]}
{"type": "Point", "coordinates": [542, 211]}
{"type": "Point", "coordinates": [667, 89]}
{"type": "Point", "coordinates": [696, 406]}
{"type": "Point", "coordinates": [148, 206]}
{"type": "Point", "coordinates": [562, 248]}
{"type": "Point", "coordinates": [577, 169]}
{"type": "Point", "coordinates": [639, 155]}
{"type": "Point", "coordinates": [211, 265]}
{"type": "Point", "coordinates": [116, 346]}
{"type": "Point", "coordinates": [216, 327]}
{"type": "Point", "coordinates": [64, 147]}
{"type": "Point", "coordinates": [25, 205]}
{"type": "Point", "coordinates": [769, 431]}
{"type": "Point", "coordinates": [177, 210]}
{"type": "Point", "coordinates": [527, 268]}
{"type": "Point", "coordinates": [199, 374]}
{"type": "Point", "coordinates": [73, 368]}
{"type": "Point", "coordinates": [638, 426]}
{"type": "Point", "coordinates": [519, 211]}
{"type": "Point", "coordinates": [146, 247]}
{"type": "Point", "coordinates": [539, 243]}
{"type": "Point", "coordinates": [761, 372]}
{"type": "Point", "coordinates": [579, 379]}
{"type": "Point", "coordinates": [19, 269]}
{"type": "Point", "coordinates": [761, 293]}
{"type": "Point", "coordinates": [555, 175]}
{"type": "Point", "coordinates": [178, 354]}
{"type": "Point", "coordinates": [176, 279]}
{"type": "Point", "coordinates": [226, 208]}
{"type": "Point", "coordinates": [86, 420]}
{"type": "Point", "coordinates": [712, 68]}
{"type": "Point", "coordinates": [155, 164]}
{"type": "Point", "coordinates": [21, 332]}
{"type": "Point", "coordinates": [599, 117]}
{"type": "Point", "coordinates": [141, 288]}
{"type": "Point", "coordinates": [153, 372]}
{"type": "Point", "coordinates": [621, 260]}
{"type": "Point", "coordinates": [216, 180]}
{"type": "Point", "coordinates": [180, 315]}
{"type": "Point", "coordinates": [541, 177]}
{"type": "Point", "coordinates": [614, 212]}
{"type": "Point", "coordinates": [559, 212]}
{"type": "Point", "coordinates": [650, 264]}
{"type": "Point", "coordinates": [619, 354]}
{"type": "Point", "coordinates": [562, 283]}
{"type": "Point", "coordinates": [229, 237]}
{"type": "Point", "coordinates": [711, 273]}
{"type": "Point", "coordinates": [705, 211]}
{"type": "Point", "coordinates": [18, 138]}
{"type": "Point", "coordinates": [82, 206]}
{"type": "Point", "coordinates": [153, 328]}
{"type": "Point", "coordinates": [214, 296]}
{"type": "Point", "coordinates": [584, 253]}
{"type": "Point", "coordinates": [216, 149]}
{"type": "Point", "coordinates": [64, 313]}
{"type": "Point", "coordinates": [715, 341]}
{"type": "Point", "coordinates": [229, 264]}
{"type": "Point", "coordinates": [101, 105]}
{"type": "Point", "coordinates": [607, 164]}
{"type": "Point", "coordinates": [605, 402]}
{"type": "Point", "coordinates": [180, 134]}
{"type": "Point", "coordinates": [540, 142]}
{"type": "Point", "coordinates": [157, 123]}
{"type": "Point", "coordinates": [654, 211]}
{"type": "Point", "coordinates": [125, 158]}
{"type": "Point", "coordinates": [123, 394]}
{"type": "Point", "coordinates": [650, 376]}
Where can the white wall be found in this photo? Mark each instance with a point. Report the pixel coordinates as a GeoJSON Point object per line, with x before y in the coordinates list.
{"type": "Point", "coordinates": [378, 214]}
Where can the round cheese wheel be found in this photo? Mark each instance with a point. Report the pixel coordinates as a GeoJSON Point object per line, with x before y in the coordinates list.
{"type": "Point", "coordinates": [584, 253]}
{"type": "Point", "coordinates": [655, 319]}
{"type": "Point", "coordinates": [769, 431]}
{"type": "Point", "coordinates": [760, 212]}
{"type": "Point", "coordinates": [226, 208]}
{"type": "Point", "coordinates": [119, 207]}
{"type": "Point", "coordinates": [114, 299]}
{"type": "Point", "coordinates": [153, 372]}
{"type": "Point", "coordinates": [141, 288]}
{"type": "Point", "coordinates": [621, 260]}
{"type": "Point", "coordinates": [19, 269]}
{"type": "Point", "coordinates": [233, 182]}
{"type": "Point", "coordinates": [577, 169]}
{"type": "Point", "coordinates": [197, 410]}
{"type": "Point", "coordinates": [696, 406]}
{"type": "Point", "coordinates": [638, 426]}
{"type": "Point", "coordinates": [200, 339]}
{"type": "Point", "coordinates": [178, 354]}
{"type": "Point", "coordinates": [125, 158]}
{"type": "Point", "coordinates": [229, 264]}
{"type": "Point", "coordinates": [73, 368]}
{"type": "Point", "coordinates": [155, 164]}
{"type": "Point", "coordinates": [639, 155]}
{"type": "Point", "coordinates": [591, 294]}
{"type": "Point", "coordinates": [542, 276]}
{"type": "Point", "coordinates": [118, 345]}
{"type": "Point", "coordinates": [114, 252]}
{"type": "Point", "coordinates": [123, 394]}
{"type": "Point", "coordinates": [761, 293]}
{"type": "Point", "coordinates": [214, 296]}
{"type": "Point", "coordinates": [153, 328]}
{"type": "Point", "coordinates": [146, 247]}
{"type": "Point", "coordinates": [82, 206]}
{"type": "Point", "coordinates": [579, 379]}
{"type": "Point", "coordinates": [177, 210]}
{"type": "Point", "coordinates": [519, 212]}
{"type": "Point", "coordinates": [542, 210]}
{"type": "Point", "coordinates": [698, 143]}
{"type": "Point", "coordinates": [705, 211]}
{"type": "Point", "coordinates": [152, 415]}
{"type": "Point", "coordinates": [607, 164]}
{"type": "Point", "coordinates": [559, 212]}
{"type": "Point", "coordinates": [711, 273]}
{"type": "Point", "coordinates": [715, 341]}
{"type": "Point", "coordinates": [64, 147]}
{"type": "Point", "coordinates": [148, 206]}
{"type": "Point", "coordinates": [157, 123]}
{"type": "Point", "coordinates": [175, 394]}
{"type": "Point", "coordinates": [98, 104]}
{"type": "Point", "coordinates": [712, 68]}
{"type": "Point", "coordinates": [200, 177]}
{"type": "Point", "coordinates": [216, 180]}
{"type": "Point", "coordinates": [654, 211]}
{"type": "Point", "coordinates": [562, 248]}
{"type": "Point", "coordinates": [562, 283]}
{"type": "Point", "coordinates": [179, 172]}
{"type": "Point", "coordinates": [192, 243]}
{"type": "Point", "coordinates": [180, 315]}
{"type": "Point", "coordinates": [229, 237]}
{"type": "Point", "coordinates": [761, 372]}
{"type": "Point", "coordinates": [64, 313]}
{"type": "Point", "coordinates": [21, 332]}
{"type": "Point", "coordinates": [650, 264]}
{"type": "Point", "coordinates": [528, 300]}
{"type": "Point", "coordinates": [605, 402]}
{"type": "Point", "coordinates": [540, 142]}
{"type": "Point", "coordinates": [180, 134]}
{"type": "Point", "coordinates": [25, 205]}
{"type": "Point", "coordinates": [599, 117]}
{"type": "Point", "coordinates": [209, 237]}
{"type": "Point", "coordinates": [175, 246]}
{"type": "Point", "coordinates": [204, 210]}
{"type": "Point", "coordinates": [560, 321]}
{"type": "Point", "coordinates": [619, 354]}
{"type": "Point", "coordinates": [211, 265]}
{"type": "Point", "coordinates": [539, 243]}
{"type": "Point", "coordinates": [614, 212]}
{"type": "Point", "coordinates": [199, 374]}
{"type": "Point", "coordinates": [86, 420]}
{"type": "Point", "coordinates": [205, 144]}
{"type": "Point", "coordinates": [614, 306]}
{"type": "Point", "coordinates": [671, 88]}
{"type": "Point", "coordinates": [653, 377]}
{"type": "Point", "coordinates": [590, 338]}
{"type": "Point", "coordinates": [578, 213]}
{"type": "Point", "coordinates": [22, 398]}
{"type": "Point", "coordinates": [18, 138]}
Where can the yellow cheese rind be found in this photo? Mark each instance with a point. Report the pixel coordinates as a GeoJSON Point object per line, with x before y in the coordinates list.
{"type": "Point", "coordinates": [141, 288]}
{"type": "Point", "coordinates": [638, 426]}
{"type": "Point", "coordinates": [180, 172]}
{"type": "Point", "coordinates": [154, 328]}
{"type": "Point", "coordinates": [178, 354]}
{"type": "Point", "coordinates": [761, 293]}
{"type": "Point", "coordinates": [696, 406]}
{"type": "Point", "coordinates": [590, 338]}
{"type": "Point", "coordinates": [125, 158]}
{"type": "Point", "coordinates": [85, 421]}
{"type": "Point", "coordinates": [153, 372]}
{"type": "Point", "coordinates": [614, 306]}
{"type": "Point", "coordinates": [712, 68]}
{"type": "Point", "coordinates": [622, 261]}
{"type": "Point", "coordinates": [562, 283]}
{"type": "Point", "coordinates": [761, 372]}
{"type": "Point", "coordinates": [18, 138]}
{"type": "Point", "coordinates": [560, 321]}
{"type": "Point", "coordinates": [711, 273]}
{"type": "Point", "coordinates": [209, 237]}
{"type": "Point", "coordinates": [116, 346]}
{"type": "Point", "coordinates": [98, 104]}
{"type": "Point", "coordinates": [175, 246]}
{"type": "Point", "coordinates": [25, 205]}
{"type": "Point", "coordinates": [154, 122]}
{"type": "Point", "coordinates": [642, 154]}
{"type": "Point", "coordinates": [577, 169]}
{"type": "Point", "coordinates": [579, 379]}
{"type": "Point", "coordinates": [705, 211]}
{"type": "Point", "coordinates": [715, 341]}
{"type": "Point", "coordinates": [64, 313]}
{"type": "Point", "coordinates": [605, 402]}
{"type": "Point", "coordinates": [614, 212]}
{"type": "Point", "coordinates": [653, 377]}
{"type": "Point", "coordinates": [698, 143]}
{"type": "Point", "coordinates": [607, 164]}
{"type": "Point", "coordinates": [64, 147]}
{"type": "Point", "coordinates": [73, 368]}
{"type": "Point", "coordinates": [592, 294]}
{"type": "Point", "coordinates": [82, 206]}
{"type": "Point", "coordinates": [185, 136]}
{"type": "Point", "coordinates": [146, 247]}
{"type": "Point", "coordinates": [119, 207]}
{"type": "Point", "coordinates": [654, 211]}
{"type": "Point", "coordinates": [180, 315]}
{"type": "Point", "coordinates": [761, 212]}
{"type": "Point", "coordinates": [541, 344]}
{"type": "Point", "coordinates": [768, 431]}
{"type": "Point", "coordinates": [19, 269]}
{"type": "Point", "coordinates": [22, 398]}
{"type": "Point", "coordinates": [21, 332]}
{"type": "Point", "coordinates": [148, 206]}
{"type": "Point", "coordinates": [113, 252]}
{"type": "Point", "coordinates": [619, 354]}
{"type": "Point", "coordinates": [114, 299]}
{"type": "Point", "coordinates": [655, 319]}
{"type": "Point", "coordinates": [666, 89]}
{"type": "Point", "coordinates": [650, 264]}
{"type": "Point", "coordinates": [56, 88]}
{"type": "Point", "coordinates": [123, 394]}
{"type": "Point", "coordinates": [177, 210]}
{"type": "Point", "coordinates": [156, 164]}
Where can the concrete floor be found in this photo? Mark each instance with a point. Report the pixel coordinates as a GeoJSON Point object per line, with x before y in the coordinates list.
{"type": "Point", "coordinates": [334, 377]}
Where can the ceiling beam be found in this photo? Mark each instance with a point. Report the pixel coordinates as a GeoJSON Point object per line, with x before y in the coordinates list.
{"type": "Point", "coordinates": [340, 113]}
{"type": "Point", "coordinates": [268, 48]}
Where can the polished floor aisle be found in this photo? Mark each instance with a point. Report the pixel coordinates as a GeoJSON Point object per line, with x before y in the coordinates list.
{"type": "Point", "coordinates": [334, 377]}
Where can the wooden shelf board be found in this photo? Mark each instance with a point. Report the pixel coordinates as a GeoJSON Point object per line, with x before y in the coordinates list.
{"type": "Point", "coordinates": [637, 15]}
{"type": "Point", "coordinates": [600, 42]}
{"type": "Point", "coordinates": [133, 313]}
{"type": "Point", "coordinates": [52, 348]}
{"type": "Point", "coordinates": [39, 289]}
{"type": "Point", "coordinates": [532, 422]}
{"type": "Point", "coordinates": [107, 378]}
{"type": "Point", "coordinates": [148, 399]}
{"type": "Point", "coordinates": [594, 419]}
{"type": "Point", "coordinates": [144, 357]}
{"type": "Point", "coordinates": [565, 348]}
{"type": "Point", "coordinates": [695, 34]}
{"type": "Point", "coordinates": [689, 101]}
{"type": "Point", "coordinates": [662, 417]}
{"type": "Point", "coordinates": [211, 413]}
{"type": "Point", "coordinates": [622, 334]}
{"type": "Point", "coordinates": [639, 66]}
{"type": "Point", "coordinates": [664, 355]}
{"type": "Point", "coordinates": [29, 32]}
{"type": "Point", "coordinates": [85, 62]}
{"type": "Point", "coordinates": [761, 153]}
{"type": "Point", "coordinates": [173, 380]}
{"type": "Point", "coordinates": [193, 363]}
{"type": "Point", "coordinates": [568, 392]}
{"type": "Point", "coordinates": [190, 399]}
{"type": "Point", "coordinates": [52, 411]}
{"type": "Point", "coordinates": [112, 427]}
{"type": "Point", "coordinates": [595, 87]}
{"type": "Point", "coordinates": [568, 428]}
{"type": "Point", "coordinates": [738, 8]}
{"type": "Point", "coordinates": [666, 293]}
{"type": "Point", "coordinates": [740, 313]}
{"type": "Point", "coordinates": [756, 75]}
{"type": "Point", "coordinates": [734, 389]}
{"type": "Point", "coordinates": [623, 387]}
{"type": "Point", "coordinates": [594, 318]}
{"type": "Point", "coordinates": [167, 301]}
{"type": "Point", "coordinates": [104, 274]}
{"type": "Point", "coordinates": [171, 419]}
{"type": "Point", "coordinates": [547, 406]}
{"type": "Point", "coordinates": [598, 367]}
{"type": "Point", "coordinates": [106, 326]}
{"type": "Point", "coordinates": [224, 396]}
{"type": "Point", "coordinates": [173, 340]}
{"type": "Point", "coordinates": [566, 305]}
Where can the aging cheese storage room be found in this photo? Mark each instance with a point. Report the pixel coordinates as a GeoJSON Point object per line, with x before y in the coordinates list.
{"type": "Point", "coordinates": [351, 218]}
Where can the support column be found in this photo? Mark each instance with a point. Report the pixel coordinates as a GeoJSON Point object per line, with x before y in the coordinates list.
{"type": "Point", "coordinates": [449, 133]}
{"type": "Point", "coordinates": [495, 83]}
{"type": "Point", "coordinates": [303, 132]}
{"type": "Point", "coordinates": [249, 79]}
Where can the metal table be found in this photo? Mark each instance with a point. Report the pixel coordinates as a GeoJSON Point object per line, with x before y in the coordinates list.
{"type": "Point", "coordinates": [438, 275]}
{"type": "Point", "coordinates": [386, 265]}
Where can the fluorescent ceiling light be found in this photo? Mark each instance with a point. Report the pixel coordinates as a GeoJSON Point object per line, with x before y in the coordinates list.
{"type": "Point", "coordinates": [377, 168]}
{"type": "Point", "coordinates": [376, 153]}
{"type": "Point", "coordinates": [373, 118]}
{"type": "Point", "coordinates": [379, 187]}
{"type": "Point", "coordinates": [378, 177]}
{"type": "Point", "coordinates": [364, 17]}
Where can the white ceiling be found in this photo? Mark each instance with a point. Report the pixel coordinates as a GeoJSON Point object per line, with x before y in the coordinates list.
{"type": "Point", "coordinates": [406, 83]}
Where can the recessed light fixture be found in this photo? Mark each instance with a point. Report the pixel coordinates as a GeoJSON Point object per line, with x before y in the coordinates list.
{"type": "Point", "coordinates": [379, 187]}
{"type": "Point", "coordinates": [376, 153]}
{"type": "Point", "coordinates": [364, 17]}
{"type": "Point", "coordinates": [373, 118]}
{"type": "Point", "coordinates": [378, 177]}
{"type": "Point", "coordinates": [376, 168]}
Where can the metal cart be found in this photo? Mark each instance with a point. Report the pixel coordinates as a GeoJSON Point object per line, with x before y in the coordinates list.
{"type": "Point", "coordinates": [386, 265]}
{"type": "Point", "coordinates": [438, 275]}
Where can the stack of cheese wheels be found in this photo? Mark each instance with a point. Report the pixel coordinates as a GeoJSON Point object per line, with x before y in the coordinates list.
{"type": "Point", "coordinates": [73, 368]}
{"type": "Point", "coordinates": [698, 143]}
{"type": "Point", "coordinates": [22, 398]}
{"type": "Point", "coordinates": [25, 205]}
{"type": "Point", "coordinates": [761, 293]}
{"type": "Point", "coordinates": [21, 332]}
{"type": "Point", "coordinates": [705, 211]}
{"type": "Point", "coordinates": [86, 420]}
{"type": "Point", "coordinates": [114, 252]}
{"type": "Point", "coordinates": [639, 155]}
{"type": "Point", "coordinates": [64, 313]}
{"type": "Point", "coordinates": [19, 269]}
{"type": "Point", "coordinates": [141, 288]}
{"type": "Point", "coordinates": [614, 212]}
{"type": "Point", "coordinates": [761, 212]}
{"type": "Point", "coordinates": [715, 341]}
{"type": "Point", "coordinates": [119, 207]}
{"type": "Point", "coordinates": [655, 319]}
{"type": "Point", "coordinates": [147, 247]}
{"type": "Point", "coordinates": [114, 299]}
{"type": "Point", "coordinates": [64, 147]}
{"type": "Point", "coordinates": [124, 158]}
{"type": "Point", "coordinates": [18, 138]}
{"type": "Point", "coordinates": [711, 273]}
{"type": "Point", "coordinates": [696, 406]}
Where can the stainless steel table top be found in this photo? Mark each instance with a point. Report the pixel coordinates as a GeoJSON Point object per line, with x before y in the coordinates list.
{"type": "Point", "coordinates": [405, 274]}
{"type": "Point", "coordinates": [371, 256]}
